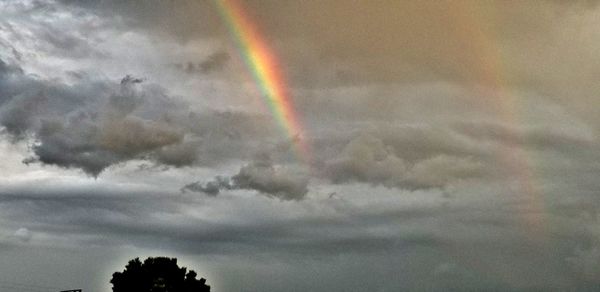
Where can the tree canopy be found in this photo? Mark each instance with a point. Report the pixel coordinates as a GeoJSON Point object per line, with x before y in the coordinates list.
{"type": "Point", "coordinates": [159, 274]}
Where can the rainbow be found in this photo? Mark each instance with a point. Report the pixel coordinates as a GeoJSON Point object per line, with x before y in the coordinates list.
{"type": "Point", "coordinates": [486, 59]}
{"type": "Point", "coordinates": [266, 71]}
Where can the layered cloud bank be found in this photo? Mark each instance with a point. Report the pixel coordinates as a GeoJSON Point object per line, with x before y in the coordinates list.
{"type": "Point", "coordinates": [454, 144]}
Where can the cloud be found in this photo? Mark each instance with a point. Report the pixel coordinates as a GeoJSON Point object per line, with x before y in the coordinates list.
{"type": "Point", "coordinates": [94, 123]}
{"type": "Point", "coordinates": [220, 136]}
{"type": "Point", "coordinates": [325, 44]}
{"type": "Point", "coordinates": [367, 158]}
{"type": "Point", "coordinates": [211, 188]}
{"type": "Point", "coordinates": [23, 234]}
{"type": "Point", "coordinates": [128, 79]}
{"type": "Point", "coordinates": [66, 44]}
{"type": "Point", "coordinates": [103, 213]}
{"type": "Point", "coordinates": [586, 263]}
{"type": "Point", "coordinates": [185, 153]}
{"type": "Point", "coordinates": [395, 102]}
{"type": "Point", "coordinates": [397, 41]}
{"type": "Point", "coordinates": [89, 126]}
{"type": "Point", "coordinates": [212, 63]}
{"type": "Point", "coordinates": [442, 170]}
{"type": "Point", "coordinates": [561, 137]}
{"type": "Point", "coordinates": [43, 26]}
{"type": "Point", "coordinates": [275, 182]}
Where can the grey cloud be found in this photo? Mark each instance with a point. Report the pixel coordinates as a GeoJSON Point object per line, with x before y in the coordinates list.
{"type": "Point", "coordinates": [585, 262]}
{"type": "Point", "coordinates": [368, 159]}
{"type": "Point", "coordinates": [261, 176]}
{"type": "Point", "coordinates": [549, 137]}
{"type": "Point", "coordinates": [8, 71]}
{"type": "Point", "coordinates": [133, 135]}
{"type": "Point", "coordinates": [94, 124]}
{"type": "Point", "coordinates": [131, 217]}
{"type": "Point", "coordinates": [452, 277]}
{"type": "Point", "coordinates": [405, 42]}
{"type": "Point", "coordinates": [485, 244]}
{"type": "Point", "coordinates": [66, 44]}
{"type": "Point", "coordinates": [91, 135]}
{"type": "Point", "coordinates": [212, 63]}
{"type": "Point", "coordinates": [218, 137]}
{"type": "Point", "coordinates": [185, 153]}
{"type": "Point", "coordinates": [223, 135]}
{"type": "Point", "coordinates": [183, 20]}
{"type": "Point", "coordinates": [211, 188]}
{"type": "Point", "coordinates": [128, 79]}
{"type": "Point", "coordinates": [584, 259]}
{"type": "Point", "coordinates": [16, 54]}
{"type": "Point", "coordinates": [441, 150]}
{"type": "Point", "coordinates": [442, 170]}
{"type": "Point", "coordinates": [385, 93]}
{"type": "Point", "coordinates": [47, 28]}
{"type": "Point", "coordinates": [276, 182]}
{"type": "Point", "coordinates": [23, 234]}
{"type": "Point", "coordinates": [94, 147]}
{"type": "Point", "coordinates": [127, 215]}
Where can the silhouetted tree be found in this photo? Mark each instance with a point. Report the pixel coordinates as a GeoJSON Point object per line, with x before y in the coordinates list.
{"type": "Point", "coordinates": [158, 274]}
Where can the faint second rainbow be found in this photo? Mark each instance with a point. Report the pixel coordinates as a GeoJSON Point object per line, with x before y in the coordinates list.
{"type": "Point", "coordinates": [265, 70]}
{"type": "Point", "coordinates": [486, 58]}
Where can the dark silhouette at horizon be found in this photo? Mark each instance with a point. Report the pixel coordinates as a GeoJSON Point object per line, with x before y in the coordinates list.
{"type": "Point", "coordinates": [157, 274]}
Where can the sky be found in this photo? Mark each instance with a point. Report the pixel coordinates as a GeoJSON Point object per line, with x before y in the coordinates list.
{"type": "Point", "coordinates": [301, 145]}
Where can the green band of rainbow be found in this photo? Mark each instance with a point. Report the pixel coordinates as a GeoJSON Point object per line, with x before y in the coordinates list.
{"type": "Point", "coordinates": [265, 70]}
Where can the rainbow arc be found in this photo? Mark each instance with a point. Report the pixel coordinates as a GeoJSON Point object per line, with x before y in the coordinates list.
{"type": "Point", "coordinates": [266, 71]}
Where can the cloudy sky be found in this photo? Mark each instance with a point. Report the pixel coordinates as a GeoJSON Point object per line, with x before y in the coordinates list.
{"type": "Point", "coordinates": [452, 145]}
